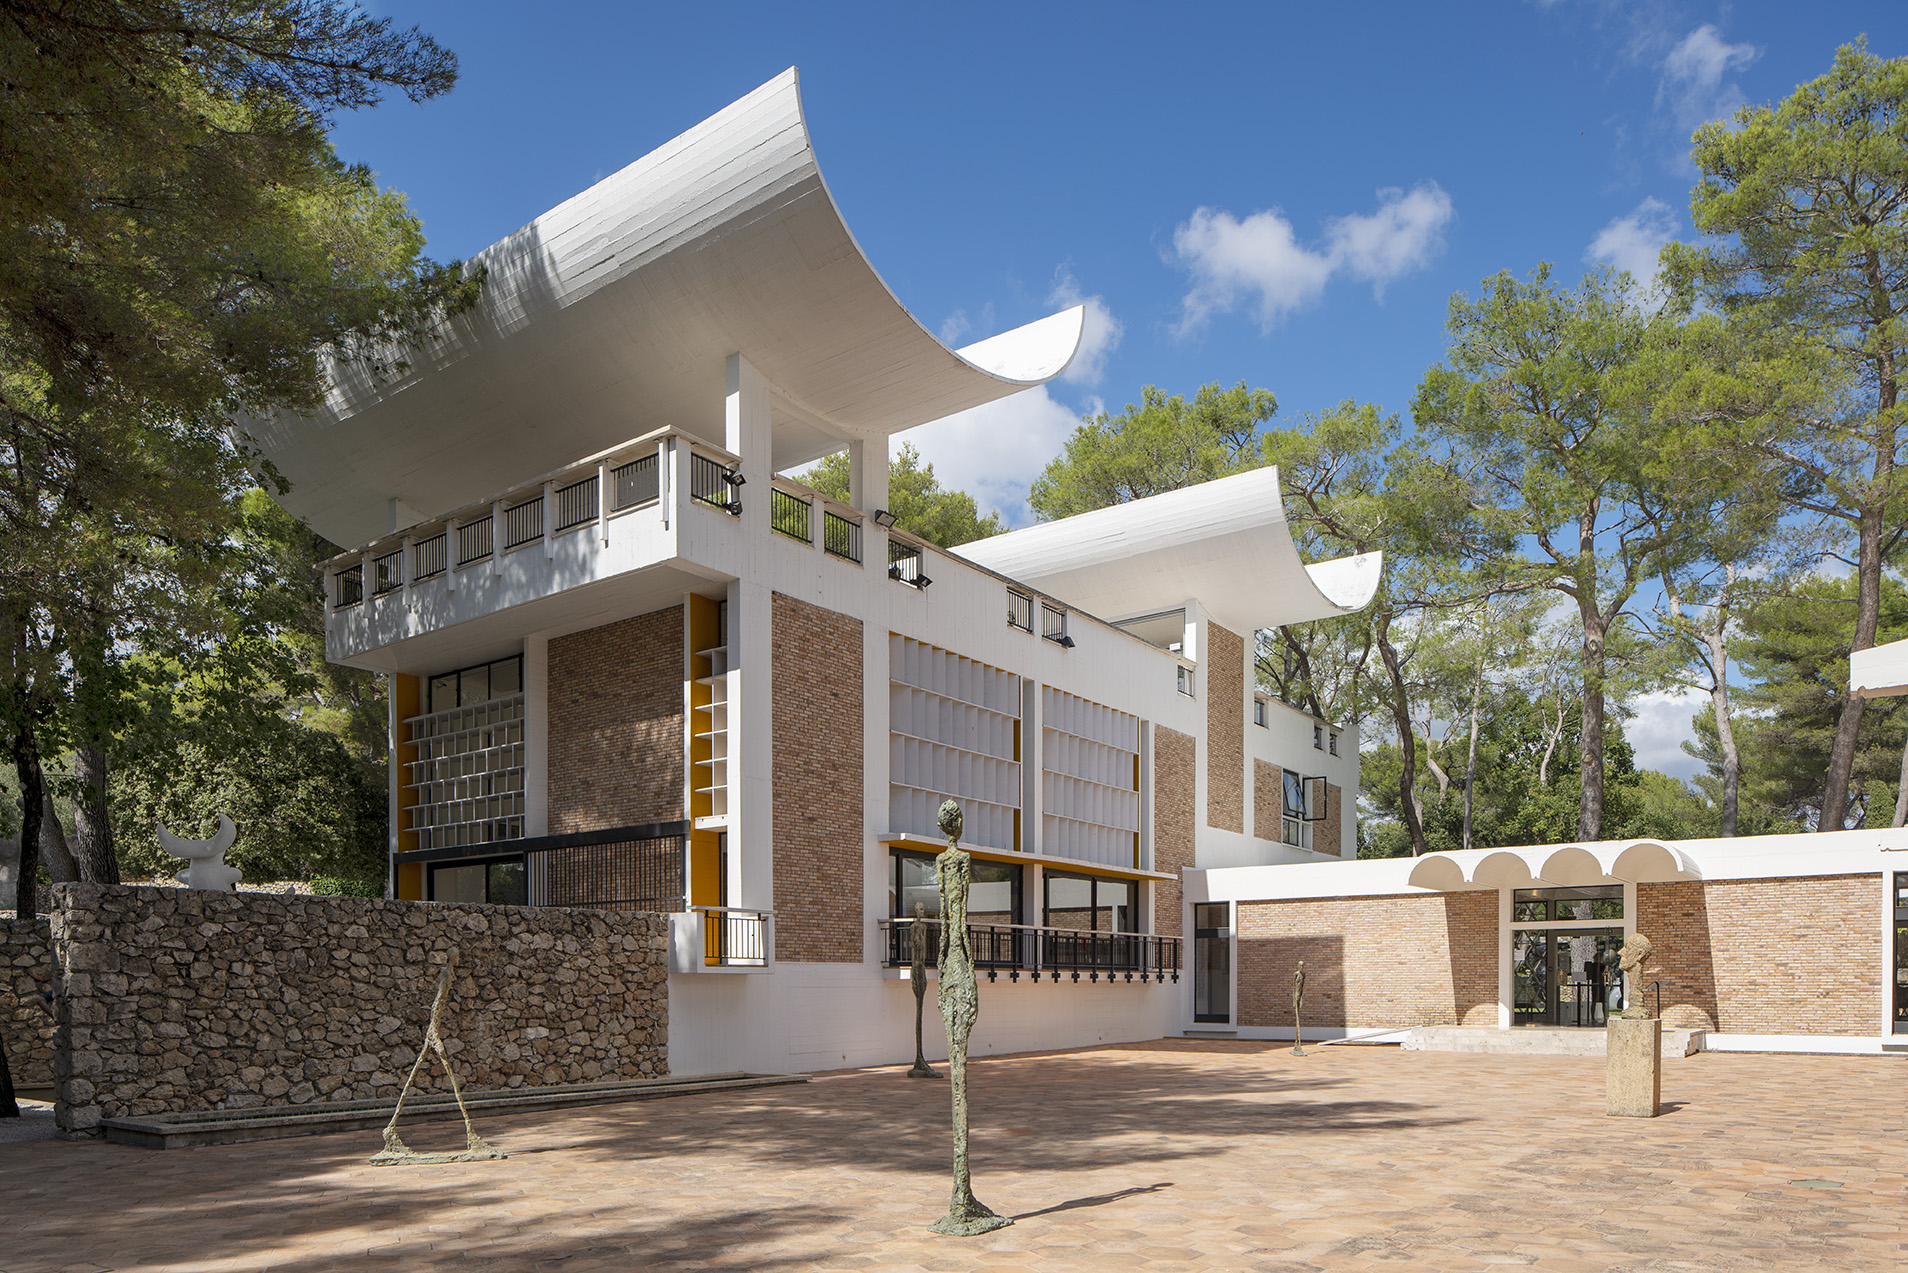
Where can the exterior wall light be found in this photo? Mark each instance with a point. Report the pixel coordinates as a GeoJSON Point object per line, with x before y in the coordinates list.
{"type": "Point", "coordinates": [922, 581]}
{"type": "Point", "coordinates": [735, 479]}
{"type": "Point", "coordinates": [1064, 641]}
{"type": "Point", "coordinates": [882, 518]}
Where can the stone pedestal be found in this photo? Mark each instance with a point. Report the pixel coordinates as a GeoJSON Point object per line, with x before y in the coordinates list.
{"type": "Point", "coordinates": [1633, 1073]}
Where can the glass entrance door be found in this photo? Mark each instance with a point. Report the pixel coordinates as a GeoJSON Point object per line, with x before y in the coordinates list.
{"type": "Point", "coordinates": [1212, 962]}
{"type": "Point", "coordinates": [1566, 977]}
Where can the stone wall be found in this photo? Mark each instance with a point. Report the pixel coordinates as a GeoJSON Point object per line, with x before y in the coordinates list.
{"type": "Point", "coordinates": [817, 771]}
{"type": "Point", "coordinates": [1174, 778]}
{"type": "Point", "coordinates": [26, 968]}
{"type": "Point", "coordinates": [178, 999]}
{"type": "Point", "coordinates": [1773, 956]}
{"type": "Point", "coordinates": [1425, 959]}
{"type": "Point", "coordinates": [1223, 665]}
{"type": "Point", "coordinates": [616, 724]}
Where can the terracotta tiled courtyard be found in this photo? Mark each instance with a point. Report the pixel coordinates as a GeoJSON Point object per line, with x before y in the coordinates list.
{"type": "Point", "coordinates": [1175, 1155]}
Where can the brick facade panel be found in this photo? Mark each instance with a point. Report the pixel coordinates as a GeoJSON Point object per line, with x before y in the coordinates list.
{"type": "Point", "coordinates": [1224, 658]}
{"type": "Point", "coordinates": [616, 742]}
{"type": "Point", "coordinates": [817, 730]}
{"type": "Point", "coordinates": [1371, 961]}
{"type": "Point", "coordinates": [1770, 956]}
{"type": "Point", "coordinates": [1328, 832]}
{"type": "Point", "coordinates": [1174, 818]}
{"type": "Point", "coordinates": [1268, 800]}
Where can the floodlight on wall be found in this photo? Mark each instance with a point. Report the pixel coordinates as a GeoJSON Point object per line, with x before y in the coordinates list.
{"type": "Point", "coordinates": [735, 479]}
{"type": "Point", "coordinates": [882, 518]}
{"type": "Point", "coordinates": [1064, 641]}
{"type": "Point", "coordinates": [922, 581]}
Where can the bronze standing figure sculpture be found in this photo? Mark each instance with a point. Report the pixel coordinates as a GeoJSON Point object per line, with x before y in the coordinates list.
{"type": "Point", "coordinates": [1298, 1002]}
{"type": "Point", "coordinates": [917, 942]}
{"type": "Point", "coordinates": [395, 1151]}
{"type": "Point", "coordinates": [966, 1215]}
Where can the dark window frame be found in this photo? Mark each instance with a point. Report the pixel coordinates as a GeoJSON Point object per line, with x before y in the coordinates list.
{"type": "Point", "coordinates": [430, 684]}
{"type": "Point", "coordinates": [1017, 878]}
{"type": "Point", "coordinates": [1093, 898]}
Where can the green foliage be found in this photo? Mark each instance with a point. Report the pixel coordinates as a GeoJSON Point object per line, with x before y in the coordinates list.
{"type": "Point", "coordinates": [920, 504]}
{"type": "Point", "coordinates": [1161, 444]}
{"type": "Point", "coordinates": [330, 886]}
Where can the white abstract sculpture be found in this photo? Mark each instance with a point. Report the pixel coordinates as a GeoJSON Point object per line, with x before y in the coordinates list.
{"type": "Point", "coordinates": [207, 857]}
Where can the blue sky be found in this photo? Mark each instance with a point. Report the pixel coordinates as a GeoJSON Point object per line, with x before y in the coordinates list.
{"type": "Point", "coordinates": [1285, 194]}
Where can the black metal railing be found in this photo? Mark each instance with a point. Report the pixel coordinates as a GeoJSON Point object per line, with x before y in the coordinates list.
{"type": "Point", "coordinates": [1019, 610]}
{"type": "Point", "coordinates": [523, 524]}
{"type": "Point", "coordinates": [473, 542]}
{"type": "Point", "coordinates": [841, 536]}
{"type": "Point", "coordinates": [635, 483]}
{"type": "Point", "coordinates": [387, 572]}
{"type": "Point", "coordinates": [576, 504]}
{"type": "Point", "coordinates": [734, 938]}
{"type": "Point", "coordinates": [430, 557]}
{"type": "Point", "coordinates": [714, 483]}
{"type": "Point", "coordinates": [904, 563]}
{"type": "Point", "coordinates": [1053, 623]}
{"type": "Point", "coordinates": [350, 586]}
{"type": "Point", "coordinates": [790, 514]}
{"type": "Point", "coordinates": [1019, 948]}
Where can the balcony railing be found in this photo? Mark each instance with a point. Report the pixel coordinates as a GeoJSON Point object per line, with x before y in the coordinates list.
{"type": "Point", "coordinates": [734, 938]}
{"type": "Point", "coordinates": [523, 524]}
{"type": "Point", "coordinates": [388, 572]}
{"type": "Point", "coordinates": [841, 536]}
{"type": "Point", "coordinates": [904, 564]}
{"type": "Point", "coordinates": [1015, 949]}
{"type": "Point", "coordinates": [430, 557]}
{"type": "Point", "coordinates": [350, 586]}
{"type": "Point", "coordinates": [791, 515]}
{"type": "Point", "coordinates": [714, 483]}
{"type": "Point", "coordinates": [634, 484]}
{"type": "Point", "coordinates": [473, 541]}
{"type": "Point", "coordinates": [576, 503]}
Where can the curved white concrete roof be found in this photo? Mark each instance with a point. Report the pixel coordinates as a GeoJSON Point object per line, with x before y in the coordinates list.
{"type": "Point", "coordinates": [1224, 542]}
{"type": "Point", "coordinates": [612, 315]}
{"type": "Point", "coordinates": [1561, 865]}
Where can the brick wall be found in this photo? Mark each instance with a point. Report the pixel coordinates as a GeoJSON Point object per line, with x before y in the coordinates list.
{"type": "Point", "coordinates": [1772, 956]}
{"type": "Point", "coordinates": [175, 999]}
{"type": "Point", "coordinates": [1371, 961]}
{"type": "Point", "coordinates": [1268, 800]}
{"type": "Point", "coordinates": [1224, 660]}
{"type": "Point", "coordinates": [1327, 832]}
{"type": "Point", "coordinates": [26, 969]}
{"type": "Point", "coordinates": [817, 732]}
{"type": "Point", "coordinates": [616, 728]}
{"type": "Point", "coordinates": [1174, 818]}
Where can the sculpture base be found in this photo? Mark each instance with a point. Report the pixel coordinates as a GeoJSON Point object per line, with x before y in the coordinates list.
{"type": "Point", "coordinates": [412, 1157]}
{"type": "Point", "coordinates": [921, 1071]}
{"type": "Point", "coordinates": [971, 1225]}
{"type": "Point", "coordinates": [1299, 1051]}
{"type": "Point", "coordinates": [1633, 1069]}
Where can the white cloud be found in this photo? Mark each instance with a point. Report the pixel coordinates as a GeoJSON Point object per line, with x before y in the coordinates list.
{"type": "Point", "coordinates": [954, 327]}
{"type": "Point", "coordinates": [1659, 728]}
{"type": "Point", "coordinates": [994, 452]}
{"type": "Point", "coordinates": [1099, 337]}
{"type": "Point", "coordinates": [1259, 262]}
{"type": "Point", "coordinates": [1632, 242]}
{"type": "Point", "coordinates": [1694, 85]}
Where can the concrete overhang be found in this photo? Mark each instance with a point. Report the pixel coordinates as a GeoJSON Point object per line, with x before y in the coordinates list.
{"type": "Point", "coordinates": [613, 314]}
{"type": "Point", "coordinates": [1881, 671]}
{"type": "Point", "coordinates": [1554, 866]}
{"type": "Point", "coordinates": [1224, 542]}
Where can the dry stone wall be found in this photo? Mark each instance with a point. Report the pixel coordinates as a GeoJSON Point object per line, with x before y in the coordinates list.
{"type": "Point", "coordinates": [26, 969]}
{"type": "Point", "coordinates": [179, 999]}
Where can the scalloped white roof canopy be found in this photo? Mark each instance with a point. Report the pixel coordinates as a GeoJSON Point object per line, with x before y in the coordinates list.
{"type": "Point", "coordinates": [612, 315]}
{"type": "Point", "coordinates": [1554, 865]}
{"type": "Point", "coordinates": [1223, 542]}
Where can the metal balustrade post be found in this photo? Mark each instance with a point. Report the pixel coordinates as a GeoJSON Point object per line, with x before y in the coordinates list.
{"type": "Point", "coordinates": [602, 502]}
{"type": "Point", "coordinates": [496, 537]}
{"type": "Point", "coordinates": [453, 553]}
{"type": "Point", "coordinates": [549, 520]}
{"type": "Point", "coordinates": [407, 566]}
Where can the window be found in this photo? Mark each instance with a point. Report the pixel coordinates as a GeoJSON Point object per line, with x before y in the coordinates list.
{"type": "Point", "coordinates": [499, 883]}
{"type": "Point", "coordinates": [1053, 625]}
{"type": "Point", "coordinates": [1563, 905]}
{"type": "Point", "coordinates": [1019, 610]}
{"type": "Point", "coordinates": [1318, 738]}
{"type": "Point", "coordinates": [469, 686]}
{"type": "Point", "coordinates": [992, 898]}
{"type": "Point", "coordinates": [1295, 830]}
{"type": "Point", "coordinates": [1087, 903]}
{"type": "Point", "coordinates": [1334, 738]}
{"type": "Point", "coordinates": [1185, 680]}
{"type": "Point", "coordinates": [1258, 711]}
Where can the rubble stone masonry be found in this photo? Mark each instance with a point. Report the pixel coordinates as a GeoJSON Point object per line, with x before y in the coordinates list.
{"type": "Point", "coordinates": [1174, 761]}
{"type": "Point", "coordinates": [1224, 672]}
{"type": "Point", "coordinates": [616, 727]}
{"type": "Point", "coordinates": [816, 672]}
{"type": "Point", "coordinates": [1769, 956]}
{"type": "Point", "coordinates": [175, 999]}
{"type": "Point", "coordinates": [1371, 961]}
{"type": "Point", "coordinates": [26, 969]}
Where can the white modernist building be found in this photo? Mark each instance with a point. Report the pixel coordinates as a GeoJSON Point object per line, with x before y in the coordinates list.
{"type": "Point", "coordinates": [634, 664]}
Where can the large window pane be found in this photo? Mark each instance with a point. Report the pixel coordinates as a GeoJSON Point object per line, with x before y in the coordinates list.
{"type": "Point", "coordinates": [506, 677]}
{"type": "Point", "coordinates": [914, 883]}
{"type": "Point", "coordinates": [457, 884]}
{"type": "Point", "coordinates": [994, 897]}
{"type": "Point", "coordinates": [1113, 906]}
{"type": "Point", "coordinates": [505, 883]}
{"type": "Point", "coordinates": [1069, 902]}
{"type": "Point", "coordinates": [473, 686]}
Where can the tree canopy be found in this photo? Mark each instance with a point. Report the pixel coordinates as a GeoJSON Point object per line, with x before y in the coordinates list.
{"type": "Point", "coordinates": [920, 504]}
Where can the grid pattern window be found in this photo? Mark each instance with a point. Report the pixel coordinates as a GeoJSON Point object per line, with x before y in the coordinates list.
{"type": "Point", "coordinates": [954, 730]}
{"type": "Point", "coordinates": [1089, 780]}
{"type": "Point", "coordinates": [1334, 743]}
{"type": "Point", "coordinates": [468, 774]}
{"type": "Point", "coordinates": [1295, 825]}
{"type": "Point", "coordinates": [1020, 608]}
{"type": "Point", "coordinates": [1318, 738]}
{"type": "Point", "coordinates": [1258, 711]}
{"type": "Point", "coordinates": [1185, 680]}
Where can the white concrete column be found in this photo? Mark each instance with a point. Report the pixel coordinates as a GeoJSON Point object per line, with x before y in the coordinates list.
{"type": "Point", "coordinates": [407, 564]}
{"type": "Point", "coordinates": [747, 432]}
{"type": "Point", "coordinates": [496, 537]}
{"type": "Point", "coordinates": [536, 735]}
{"type": "Point", "coordinates": [603, 503]}
{"type": "Point", "coordinates": [451, 564]}
{"type": "Point", "coordinates": [868, 473]}
{"type": "Point", "coordinates": [549, 520]}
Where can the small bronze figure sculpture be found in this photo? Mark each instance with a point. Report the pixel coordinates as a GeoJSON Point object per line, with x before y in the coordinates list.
{"type": "Point", "coordinates": [395, 1151]}
{"type": "Point", "coordinates": [917, 942]}
{"type": "Point", "coordinates": [1635, 953]}
{"type": "Point", "coordinates": [1298, 1000]}
{"type": "Point", "coordinates": [966, 1215]}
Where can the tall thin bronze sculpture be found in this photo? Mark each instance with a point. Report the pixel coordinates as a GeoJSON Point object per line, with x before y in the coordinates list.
{"type": "Point", "coordinates": [960, 1005]}
{"type": "Point", "coordinates": [395, 1151]}
{"type": "Point", "coordinates": [917, 944]}
{"type": "Point", "coordinates": [1298, 1009]}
